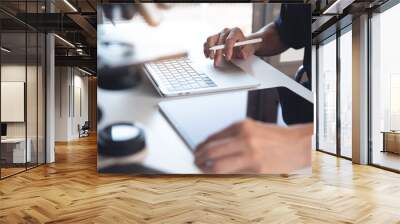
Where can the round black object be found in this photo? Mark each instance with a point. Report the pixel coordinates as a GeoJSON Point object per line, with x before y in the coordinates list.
{"type": "Point", "coordinates": [121, 139]}
{"type": "Point", "coordinates": [99, 114]}
{"type": "Point", "coordinates": [118, 78]}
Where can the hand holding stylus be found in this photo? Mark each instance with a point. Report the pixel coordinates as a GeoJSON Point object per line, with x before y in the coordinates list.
{"type": "Point", "coordinates": [237, 44]}
{"type": "Point", "coordinates": [234, 44]}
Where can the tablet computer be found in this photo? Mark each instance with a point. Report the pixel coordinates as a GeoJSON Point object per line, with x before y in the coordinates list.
{"type": "Point", "coordinates": [196, 118]}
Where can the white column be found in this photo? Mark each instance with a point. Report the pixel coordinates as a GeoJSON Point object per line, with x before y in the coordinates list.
{"type": "Point", "coordinates": [360, 90]}
{"type": "Point", "coordinates": [50, 99]}
{"type": "Point", "coordinates": [314, 92]}
{"type": "Point", "coordinates": [50, 93]}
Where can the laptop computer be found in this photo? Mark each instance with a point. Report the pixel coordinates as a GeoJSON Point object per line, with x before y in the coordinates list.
{"type": "Point", "coordinates": [187, 76]}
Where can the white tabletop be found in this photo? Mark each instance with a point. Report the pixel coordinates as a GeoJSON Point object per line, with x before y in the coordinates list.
{"type": "Point", "coordinates": [166, 151]}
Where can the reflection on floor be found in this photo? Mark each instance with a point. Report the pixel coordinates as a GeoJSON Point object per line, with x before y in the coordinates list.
{"type": "Point", "coordinates": [346, 152]}
{"type": "Point", "coordinates": [387, 159]}
{"type": "Point", "coordinates": [71, 191]}
{"type": "Point", "coordinates": [9, 170]}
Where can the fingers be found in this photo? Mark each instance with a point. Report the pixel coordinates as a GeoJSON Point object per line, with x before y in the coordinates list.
{"type": "Point", "coordinates": [228, 155]}
{"type": "Point", "coordinates": [230, 131]}
{"type": "Point", "coordinates": [237, 53]}
{"type": "Point", "coordinates": [243, 52]}
{"type": "Point", "coordinates": [224, 133]}
{"type": "Point", "coordinates": [216, 149]}
{"type": "Point", "coordinates": [232, 164]}
{"type": "Point", "coordinates": [227, 37]}
{"type": "Point", "coordinates": [218, 53]}
{"type": "Point", "coordinates": [211, 41]}
{"type": "Point", "coordinates": [246, 51]}
{"type": "Point", "coordinates": [206, 51]}
{"type": "Point", "coordinates": [234, 36]}
{"type": "Point", "coordinates": [230, 145]}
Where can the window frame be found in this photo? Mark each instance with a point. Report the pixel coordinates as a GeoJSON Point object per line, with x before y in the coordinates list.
{"type": "Point", "coordinates": [340, 31]}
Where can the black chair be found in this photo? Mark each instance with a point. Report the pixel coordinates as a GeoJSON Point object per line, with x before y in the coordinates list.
{"type": "Point", "coordinates": [295, 109]}
{"type": "Point", "coordinates": [84, 130]}
{"type": "Point", "coordinates": [299, 73]}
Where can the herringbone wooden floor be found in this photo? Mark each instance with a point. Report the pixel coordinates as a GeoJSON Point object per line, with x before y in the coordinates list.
{"type": "Point", "coordinates": [70, 191]}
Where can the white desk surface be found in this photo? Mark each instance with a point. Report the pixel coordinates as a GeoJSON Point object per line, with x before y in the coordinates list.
{"type": "Point", "coordinates": [166, 151]}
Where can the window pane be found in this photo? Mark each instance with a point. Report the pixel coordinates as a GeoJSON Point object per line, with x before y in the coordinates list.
{"type": "Point", "coordinates": [327, 97]}
{"type": "Point", "coordinates": [346, 94]}
{"type": "Point", "coordinates": [31, 98]}
{"type": "Point", "coordinates": [385, 87]}
{"type": "Point", "coordinates": [14, 151]}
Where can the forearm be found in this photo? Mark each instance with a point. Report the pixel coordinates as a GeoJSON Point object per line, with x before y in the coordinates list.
{"type": "Point", "coordinates": [271, 44]}
{"type": "Point", "coordinates": [303, 130]}
{"type": "Point", "coordinates": [288, 149]}
{"type": "Point", "coordinates": [303, 146]}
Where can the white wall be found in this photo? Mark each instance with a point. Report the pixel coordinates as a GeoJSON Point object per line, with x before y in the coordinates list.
{"type": "Point", "coordinates": [62, 81]}
{"type": "Point", "coordinates": [16, 73]}
{"type": "Point", "coordinates": [33, 126]}
{"type": "Point", "coordinates": [12, 101]}
{"type": "Point", "coordinates": [70, 84]}
{"type": "Point", "coordinates": [81, 83]}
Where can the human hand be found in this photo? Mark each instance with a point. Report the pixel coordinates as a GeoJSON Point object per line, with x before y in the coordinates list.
{"type": "Point", "coordinates": [228, 37]}
{"type": "Point", "coordinates": [255, 147]}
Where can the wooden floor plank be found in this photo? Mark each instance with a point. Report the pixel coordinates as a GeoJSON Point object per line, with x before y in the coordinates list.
{"type": "Point", "coordinates": [71, 191]}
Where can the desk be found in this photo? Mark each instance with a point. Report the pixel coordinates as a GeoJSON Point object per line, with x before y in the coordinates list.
{"type": "Point", "coordinates": [16, 147]}
{"type": "Point", "coordinates": [391, 141]}
{"type": "Point", "coordinates": [165, 150]}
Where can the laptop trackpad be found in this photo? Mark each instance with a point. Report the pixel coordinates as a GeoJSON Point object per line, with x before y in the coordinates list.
{"type": "Point", "coordinates": [225, 69]}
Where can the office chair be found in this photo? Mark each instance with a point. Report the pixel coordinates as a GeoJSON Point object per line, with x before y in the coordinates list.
{"type": "Point", "coordinates": [296, 109]}
{"type": "Point", "coordinates": [299, 73]}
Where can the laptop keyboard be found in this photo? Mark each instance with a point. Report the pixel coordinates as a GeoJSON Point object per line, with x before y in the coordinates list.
{"type": "Point", "coordinates": [179, 75]}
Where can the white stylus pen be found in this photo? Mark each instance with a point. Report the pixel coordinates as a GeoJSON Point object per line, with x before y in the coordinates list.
{"type": "Point", "coordinates": [237, 44]}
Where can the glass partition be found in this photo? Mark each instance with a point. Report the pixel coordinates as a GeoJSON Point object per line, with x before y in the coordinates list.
{"type": "Point", "coordinates": [31, 99]}
{"type": "Point", "coordinates": [32, 88]}
{"type": "Point", "coordinates": [22, 92]}
{"type": "Point", "coordinates": [346, 93]}
{"type": "Point", "coordinates": [327, 96]}
{"type": "Point", "coordinates": [13, 110]}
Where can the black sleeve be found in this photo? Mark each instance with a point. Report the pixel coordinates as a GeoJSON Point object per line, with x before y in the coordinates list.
{"type": "Point", "coordinates": [294, 29]}
{"type": "Point", "coordinates": [294, 25]}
